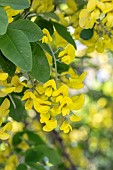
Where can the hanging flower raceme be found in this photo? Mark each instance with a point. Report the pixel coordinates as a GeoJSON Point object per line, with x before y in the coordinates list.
{"type": "Point", "coordinates": [54, 105]}
{"type": "Point", "coordinates": [42, 6]}
{"type": "Point", "coordinates": [94, 11]}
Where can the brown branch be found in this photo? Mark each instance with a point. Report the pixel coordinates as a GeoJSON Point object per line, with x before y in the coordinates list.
{"type": "Point", "coordinates": [57, 138]}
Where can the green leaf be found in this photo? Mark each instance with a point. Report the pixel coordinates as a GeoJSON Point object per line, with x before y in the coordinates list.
{"type": "Point", "coordinates": [38, 153]}
{"type": "Point", "coordinates": [6, 65]}
{"type": "Point", "coordinates": [50, 15]}
{"type": "Point", "coordinates": [32, 155]}
{"type": "Point", "coordinates": [3, 21]}
{"type": "Point", "coordinates": [45, 24]}
{"type": "Point", "coordinates": [15, 4]}
{"type": "Point", "coordinates": [45, 47]}
{"type": "Point", "coordinates": [21, 167]}
{"type": "Point", "coordinates": [61, 67]}
{"type": "Point", "coordinates": [62, 31]}
{"type": "Point", "coordinates": [40, 69]}
{"type": "Point", "coordinates": [19, 113]}
{"type": "Point", "coordinates": [86, 34]}
{"type": "Point", "coordinates": [34, 139]}
{"type": "Point", "coordinates": [30, 29]}
{"type": "Point", "coordinates": [15, 46]}
{"type": "Point", "coordinates": [36, 166]}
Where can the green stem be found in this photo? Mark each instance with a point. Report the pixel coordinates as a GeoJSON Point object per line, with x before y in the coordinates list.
{"type": "Point", "coordinates": [55, 63]}
{"type": "Point", "coordinates": [12, 101]}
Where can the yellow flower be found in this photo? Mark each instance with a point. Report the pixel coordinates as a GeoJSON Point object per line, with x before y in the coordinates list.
{"type": "Point", "coordinates": [41, 106]}
{"type": "Point", "coordinates": [72, 79]}
{"type": "Point", "coordinates": [59, 41]}
{"type": "Point", "coordinates": [11, 12]}
{"type": "Point", "coordinates": [68, 54]}
{"type": "Point", "coordinates": [72, 6]}
{"type": "Point", "coordinates": [4, 108]}
{"type": "Point", "coordinates": [49, 86]}
{"type": "Point", "coordinates": [39, 88]}
{"type": "Point", "coordinates": [50, 125]}
{"type": "Point", "coordinates": [3, 76]}
{"type": "Point", "coordinates": [8, 90]}
{"type": "Point", "coordinates": [16, 83]}
{"type": "Point", "coordinates": [44, 117]}
{"type": "Point", "coordinates": [55, 111]}
{"type": "Point", "coordinates": [30, 97]}
{"type": "Point", "coordinates": [75, 118]}
{"type": "Point", "coordinates": [91, 5]}
{"type": "Point", "coordinates": [109, 20]}
{"type": "Point", "coordinates": [66, 127]}
{"type": "Point", "coordinates": [77, 83]}
{"type": "Point", "coordinates": [29, 104]}
{"type": "Point", "coordinates": [108, 7]}
{"type": "Point", "coordinates": [101, 5]}
{"type": "Point", "coordinates": [41, 96]}
{"type": "Point", "coordinates": [42, 6]}
{"type": "Point", "coordinates": [47, 37]}
{"type": "Point", "coordinates": [11, 162]}
{"type": "Point", "coordinates": [23, 145]}
{"type": "Point", "coordinates": [85, 20]}
{"type": "Point", "coordinates": [65, 105]}
{"type": "Point", "coordinates": [78, 102]}
{"type": "Point", "coordinates": [3, 130]}
{"type": "Point", "coordinates": [62, 91]}
{"type": "Point", "coordinates": [72, 73]}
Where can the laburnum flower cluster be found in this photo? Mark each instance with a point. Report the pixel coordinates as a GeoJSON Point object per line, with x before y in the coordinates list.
{"type": "Point", "coordinates": [98, 14]}
{"type": "Point", "coordinates": [42, 6]}
{"type": "Point", "coordinates": [54, 105]}
{"type": "Point", "coordinates": [96, 17]}
{"type": "Point", "coordinates": [97, 10]}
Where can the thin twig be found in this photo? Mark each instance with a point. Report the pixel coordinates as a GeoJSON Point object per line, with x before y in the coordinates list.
{"type": "Point", "coordinates": [64, 153]}
{"type": "Point", "coordinates": [12, 101]}
{"type": "Point", "coordinates": [55, 63]}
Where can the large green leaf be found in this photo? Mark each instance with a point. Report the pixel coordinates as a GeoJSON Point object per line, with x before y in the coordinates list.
{"type": "Point", "coordinates": [62, 31]}
{"type": "Point", "coordinates": [38, 153]}
{"type": "Point", "coordinates": [6, 65]}
{"type": "Point", "coordinates": [40, 69]}
{"type": "Point", "coordinates": [30, 29]}
{"type": "Point", "coordinates": [3, 21]}
{"type": "Point", "coordinates": [15, 4]}
{"type": "Point", "coordinates": [45, 47]}
{"type": "Point", "coordinates": [15, 46]}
